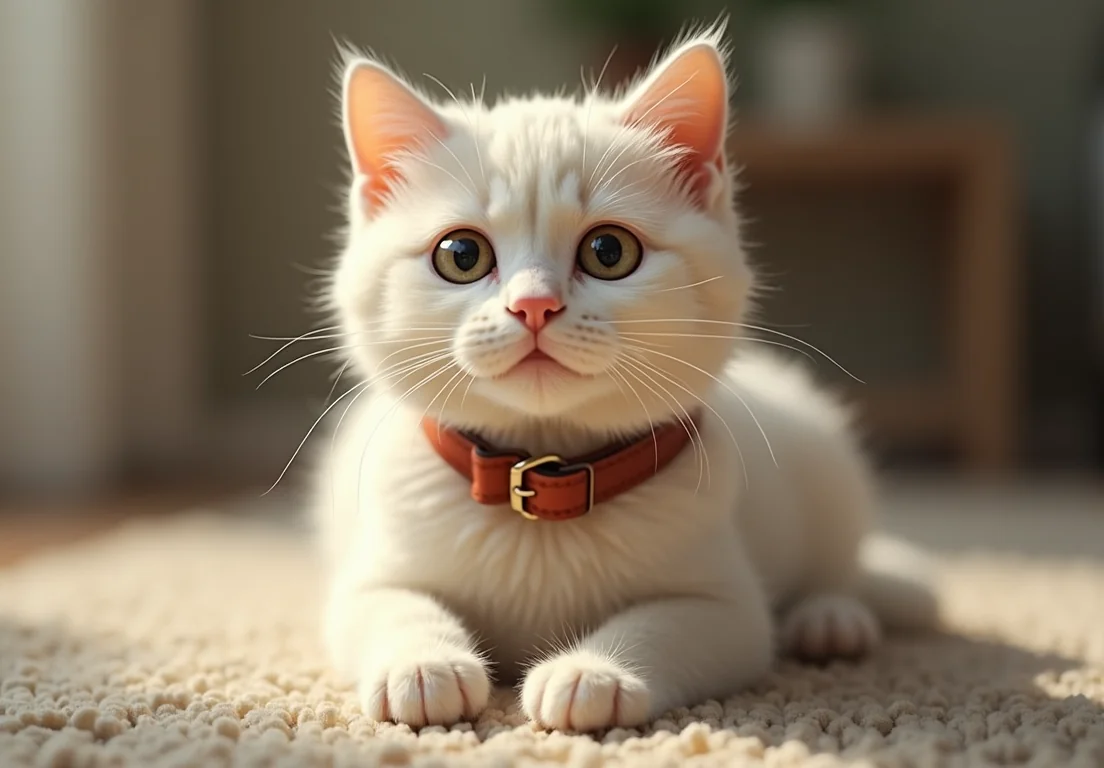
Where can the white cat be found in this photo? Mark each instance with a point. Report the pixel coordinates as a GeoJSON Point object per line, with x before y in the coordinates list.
{"type": "Point", "coordinates": [556, 275]}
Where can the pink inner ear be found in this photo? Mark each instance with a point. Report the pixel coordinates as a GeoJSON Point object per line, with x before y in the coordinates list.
{"type": "Point", "coordinates": [383, 117]}
{"type": "Point", "coordinates": [686, 98]}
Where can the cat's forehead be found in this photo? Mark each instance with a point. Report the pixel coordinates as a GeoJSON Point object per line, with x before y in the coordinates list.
{"type": "Point", "coordinates": [521, 131]}
{"type": "Point", "coordinates": [542, 162]}
{"type": "Point", "coordinates": [552, 144]}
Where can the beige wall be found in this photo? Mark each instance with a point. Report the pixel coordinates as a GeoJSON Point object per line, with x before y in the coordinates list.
{"type": "Point", "coordinates": [56, 387]}
{"type": "Point", "coordinates": [98, 239]}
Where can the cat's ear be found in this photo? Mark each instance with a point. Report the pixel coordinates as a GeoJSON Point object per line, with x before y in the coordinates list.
{"type": "Point", "coordinates": [685, 98]}
{"type": "Point", "coordinates": [382, 116]}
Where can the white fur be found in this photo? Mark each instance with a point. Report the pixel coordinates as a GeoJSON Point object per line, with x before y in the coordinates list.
{"type": "Point", "coordinates": [660, 597]}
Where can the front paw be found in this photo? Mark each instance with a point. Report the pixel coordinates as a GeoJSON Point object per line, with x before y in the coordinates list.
{"type": "Point", "coordinates": [437, 687]}
{"type": "Point", "coordinates": [581, 691]}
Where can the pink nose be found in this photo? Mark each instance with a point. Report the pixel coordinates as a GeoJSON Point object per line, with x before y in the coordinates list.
{"type": "Point", "coordinates": [536, 311]}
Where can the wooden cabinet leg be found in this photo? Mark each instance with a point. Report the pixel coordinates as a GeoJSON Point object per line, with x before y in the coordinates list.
{"type": "Point", "coordinates": [985, 324]}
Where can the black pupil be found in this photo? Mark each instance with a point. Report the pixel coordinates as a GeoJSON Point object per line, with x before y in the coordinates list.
{"type": "Point", "coordinates": [608, 250]}
{"type": "Point", "coordinates": [465, 253]}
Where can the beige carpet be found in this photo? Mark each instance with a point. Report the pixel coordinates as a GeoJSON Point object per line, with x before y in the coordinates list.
{"type": "Point", "coordinates": [194, 642]}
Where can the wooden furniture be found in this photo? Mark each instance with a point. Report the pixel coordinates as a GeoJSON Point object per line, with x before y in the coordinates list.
{"type": "Point", "coordinates": [972, 402]}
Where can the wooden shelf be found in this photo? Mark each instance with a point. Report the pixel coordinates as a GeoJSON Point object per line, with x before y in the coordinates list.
{"type": "Point", "coordinates": [895, 149]}
{"type": "Point", "coordinates": [977, 407]}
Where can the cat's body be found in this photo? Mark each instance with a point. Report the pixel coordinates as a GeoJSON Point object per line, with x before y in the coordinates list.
{"type": "Point", "coordinates": [522, 585]}
{"type": "Point", "coordinates": [663, 595]}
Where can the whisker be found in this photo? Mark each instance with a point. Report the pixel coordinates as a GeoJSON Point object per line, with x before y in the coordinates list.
{"type": "Point", "coordinates": [620, 199]}
{"type": "Point", "coordinates": [404, 372]}
{"type": "Point", "coordinates": [621, 170]}
{"type": "Point", "coordinates": [464, 168]}
{"type": "Point", "coordinates": [691, 285]}
{"type": "Point", "coordinates": [308, 335]}
{"type": "Point", "coordinates": [753, 339]}
{"type": "Point", "coordinates": [310, 431]}
{"type": "Point", "coordinates": [602, 73]}
{"type": "Point", "coordinates": [304, 337]}
{"type": "Point", "coordinates": [331, 350]}
{"type": "Point", "coordinates": [445, 171]}
{"type": "Point", "coordinates": [676, 381]}
{"type": "Point", "coordinates": [467, 389]}
{"type": "Point", "coordinates": [723, 384]}
{"type": "Point", "coordinates": [467, 117]}
{"type": "Point", "coordinates": [602, 159]}
{"type": "Point", "coordinates": [336, 335]}
{"type": "Point", "coordinates": [704, 458]}
{"type": "Point", "coordinates": [428, 343]}
{"type": "Point", "coordinates": [339, 329]}
{"type": "Point", "coordinates": [321, 334]}
{"type": "Point", "coordinates": [444, 403]}
{"type": "Point", "coordinates": [337, 380]}
{"type": "Point", "coordinates": [699, 446]}
{"type": "Point", "coordinates": [639, 399]}
{"type": "Point", "coordinates": [456, 375]}
{"type": "Point", "coordinates": [333, 443]}
{"type": "Point", "coordinates": [475, 139]}
{"type": "Point", "coordinates": [590, 104]}
{"type": "Point", "coordinates": [301, 358]}
{"type": "Point", "coordinates": [403, 369]}
{"type": "Point", "coordinates": [387, 414]}
{"type": "Point", "coordinates": [749, 326]}
{"type": "Point", "coordinates": [816, 349]}
{"type": "Point", "coordinates": [620, 388]}
{"type": "Point", "coordinates": [602, 182]}
{"type": "Point", "coordinates": [471, 125]}
{"type": "Point", "coordinates": [411, 363]}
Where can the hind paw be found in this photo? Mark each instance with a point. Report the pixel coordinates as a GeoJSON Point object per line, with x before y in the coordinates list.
{"type": "Point", "coordinates": [829, 626]}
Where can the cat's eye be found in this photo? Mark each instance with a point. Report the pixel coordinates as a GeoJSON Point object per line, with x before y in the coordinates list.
{"type": "Point", "coordinates": [463, 256]}
{"type": "Point", "coordinates": [609, 252]}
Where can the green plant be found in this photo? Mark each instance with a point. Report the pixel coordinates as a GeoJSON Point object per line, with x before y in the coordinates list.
{"type": "Point", "coordinates": [775, 6]}
{"type": "Point", "coordinates": [639, 18]}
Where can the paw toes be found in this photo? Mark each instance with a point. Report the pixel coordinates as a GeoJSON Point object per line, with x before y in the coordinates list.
{"type": "Point", "coordinates": [584, 693]}
{"type": "Point", "coordinates": [823, 627]}
{"type": "Point", "coordinates": [437, 692]}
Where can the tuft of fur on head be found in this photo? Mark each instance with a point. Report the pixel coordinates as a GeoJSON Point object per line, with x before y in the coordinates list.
{"type": "Point", "coordinates": [533, 176]}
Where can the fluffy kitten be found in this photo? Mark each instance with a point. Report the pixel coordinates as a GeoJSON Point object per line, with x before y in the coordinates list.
{"type": "Point", "coordinates": [472, 242]}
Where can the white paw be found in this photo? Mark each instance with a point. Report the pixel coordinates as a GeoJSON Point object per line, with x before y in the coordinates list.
{"type": "Point", "coordinates": [582, 691]}
{"type": "Point", "coordinates": [823, 627]}
{"type": "Point", "coordinates": [436, 688]}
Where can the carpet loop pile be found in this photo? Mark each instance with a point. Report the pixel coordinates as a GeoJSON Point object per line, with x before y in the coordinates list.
{"type": "Point", "coordinates": [195, 641]}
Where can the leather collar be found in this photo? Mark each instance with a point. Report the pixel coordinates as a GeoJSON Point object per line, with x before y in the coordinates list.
{"type": "Point", "coordinates": [551, 487]}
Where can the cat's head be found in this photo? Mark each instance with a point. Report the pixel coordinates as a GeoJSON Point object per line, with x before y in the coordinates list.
{"type": "Point", "coordinates": [546, 257]}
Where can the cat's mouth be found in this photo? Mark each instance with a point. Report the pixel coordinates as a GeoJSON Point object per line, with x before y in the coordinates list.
{"type": "Point", "coordinates": [537, 355]}
{"type": "Point", "coordinates": [539, 363]}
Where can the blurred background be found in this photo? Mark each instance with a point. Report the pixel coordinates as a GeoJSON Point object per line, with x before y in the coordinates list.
{"type": "Point", "coordinates": [925, 189]}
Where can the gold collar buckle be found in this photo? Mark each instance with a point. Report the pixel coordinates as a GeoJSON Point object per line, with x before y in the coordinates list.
{"type": "Point", "coordinates": [519, 493]}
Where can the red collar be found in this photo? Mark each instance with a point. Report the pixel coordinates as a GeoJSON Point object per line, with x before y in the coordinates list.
{"type": "Point", "coordinates": [551, 487]}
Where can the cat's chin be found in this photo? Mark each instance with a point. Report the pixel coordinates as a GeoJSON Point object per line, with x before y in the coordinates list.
{"type": "Point", "coordinates": [543, 388]}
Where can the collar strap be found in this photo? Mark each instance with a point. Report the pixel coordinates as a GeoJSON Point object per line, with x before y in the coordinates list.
{"type": "Point", "coordinates": [551, 487]}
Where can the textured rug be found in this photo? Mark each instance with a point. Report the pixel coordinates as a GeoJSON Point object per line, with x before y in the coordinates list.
{"type": "Point", "coordinates": [195, 641]}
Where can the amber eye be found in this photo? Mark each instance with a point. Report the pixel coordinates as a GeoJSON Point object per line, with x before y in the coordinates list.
{"type": "Point", "coordinates": [463, 256]}
{"type": "Point", "coordinates": [609, 252]}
